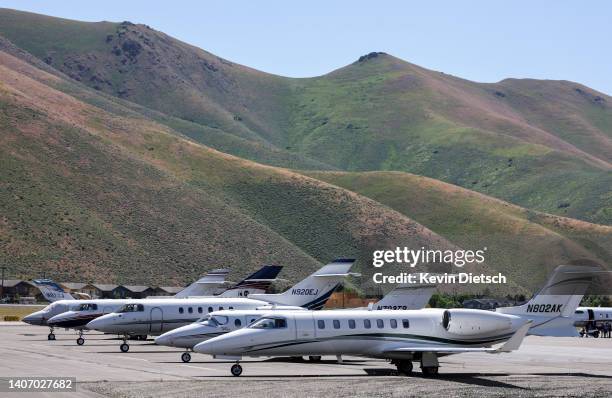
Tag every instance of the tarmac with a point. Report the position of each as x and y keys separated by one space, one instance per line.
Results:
x=544 y=366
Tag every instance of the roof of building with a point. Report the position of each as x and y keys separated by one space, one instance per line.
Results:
x=136 y=288
x=14 y=282
x=103 y=287
x=73 y=285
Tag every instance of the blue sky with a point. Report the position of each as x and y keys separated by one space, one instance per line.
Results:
x=478 y=40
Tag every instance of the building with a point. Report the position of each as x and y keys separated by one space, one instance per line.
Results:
x=14 y=289
x=132 y=291
x=487 y=303
x=99 y=290
x=72 y=287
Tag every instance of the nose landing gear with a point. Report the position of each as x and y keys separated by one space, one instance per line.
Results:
x=236 y=369
x=80 y=340
x=186 y=357
x=51 y=335
x=125 y=347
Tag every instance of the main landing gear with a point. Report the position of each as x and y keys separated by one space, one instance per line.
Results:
x=404 y=367
x=186 y=357
x=125 y=347
x=80 y=340
x=51 y=335
x=429 y=365
x=236 y=369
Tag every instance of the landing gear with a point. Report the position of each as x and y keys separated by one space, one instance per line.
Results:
x=429 y=364
x=430 y=371
x=314 y=358
x=80 y=340
x=404 y=367
x=186 y=357
x=236 y=370
x=51 y=335
x=125 y=347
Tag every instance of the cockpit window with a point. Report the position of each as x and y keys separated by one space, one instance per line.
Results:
x=579 y=312
x=87 y=307
x=269 y=323
x=219 y=319
x=132 y=308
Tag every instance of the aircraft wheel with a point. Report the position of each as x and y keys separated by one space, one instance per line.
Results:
x=186 y=357
x=236 y=370
x=404 y=367
x=124 y=347
x=430 y=371
x=80 y=341
x=51 y=336
x=314 y=358
x=596 y=334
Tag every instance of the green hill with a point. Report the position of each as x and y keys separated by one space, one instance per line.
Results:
x=515 y=238
x=544 y=145
x=90 y=194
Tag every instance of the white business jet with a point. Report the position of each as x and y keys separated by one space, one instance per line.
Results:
x=155 y=317
x=401 y=336
x=403 y=297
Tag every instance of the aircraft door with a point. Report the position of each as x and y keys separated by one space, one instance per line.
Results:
x=304 y=326
x=156 y=321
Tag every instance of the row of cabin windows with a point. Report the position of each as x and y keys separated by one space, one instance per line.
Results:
x=380 y=323
x=210 y=309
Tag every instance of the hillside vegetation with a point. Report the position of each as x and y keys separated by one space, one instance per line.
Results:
x=128 y=156
x=544 y=145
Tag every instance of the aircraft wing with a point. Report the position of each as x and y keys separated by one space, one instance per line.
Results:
x=513 y=343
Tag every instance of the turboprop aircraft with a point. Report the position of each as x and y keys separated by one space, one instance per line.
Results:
x=159 y=316
x=553 y=308
x=404 y=296
x=401 y=336
x=95 y=307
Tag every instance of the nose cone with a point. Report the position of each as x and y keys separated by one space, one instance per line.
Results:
x=231 y=344
x=36 y=318
x=102 y=324
x=183 y=337
x=165 y=339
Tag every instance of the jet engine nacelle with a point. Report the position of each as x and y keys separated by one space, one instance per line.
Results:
x=474 y=322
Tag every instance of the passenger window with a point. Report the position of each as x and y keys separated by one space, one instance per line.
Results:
x=405 y=323
x=210 y=309
x=380 y=323
x=237 y=323
x=220 y=308
x=393 y=323
x=351 y=323
x=190 y=310
x=231 y=308
x=336 y=324
x=140 y=308
x=321 y=324
x=367 y=324
x=199 y=310
x=181 y=310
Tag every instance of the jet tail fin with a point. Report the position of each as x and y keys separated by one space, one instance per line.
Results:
x=205 y=286
x=313 y=291
x=559 y=298
x=51 y=290
x=406 y=296
x=257 y=282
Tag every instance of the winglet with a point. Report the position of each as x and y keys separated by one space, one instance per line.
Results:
x=515 y=341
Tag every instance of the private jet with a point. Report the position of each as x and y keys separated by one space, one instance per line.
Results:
x=159 y=316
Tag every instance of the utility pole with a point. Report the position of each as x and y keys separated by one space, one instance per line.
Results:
x=2 y=286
